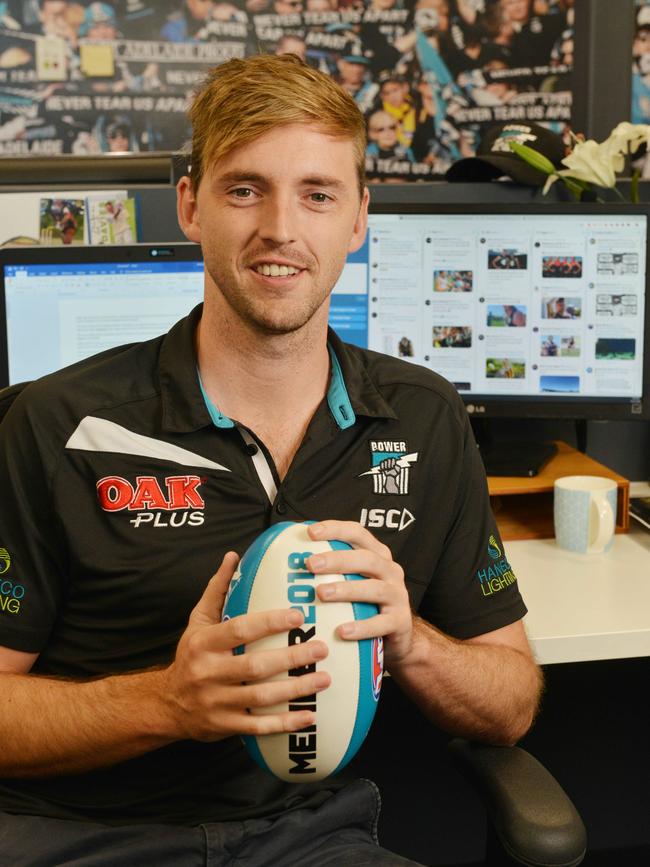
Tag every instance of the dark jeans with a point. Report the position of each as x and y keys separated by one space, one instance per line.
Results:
x=340 y=833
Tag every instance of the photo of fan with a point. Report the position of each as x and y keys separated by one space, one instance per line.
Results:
x=561 y=308
x=505 y=368
x=453 y=281
x=506 y=315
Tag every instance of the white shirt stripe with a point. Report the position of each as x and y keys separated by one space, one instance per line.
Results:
x=100 y=435
x=262 y=468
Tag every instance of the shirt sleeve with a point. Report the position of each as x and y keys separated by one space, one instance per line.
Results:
x=31 y=554
x=473 y=589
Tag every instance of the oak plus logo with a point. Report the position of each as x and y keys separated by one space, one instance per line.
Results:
x=174 y=502
x=391 y=466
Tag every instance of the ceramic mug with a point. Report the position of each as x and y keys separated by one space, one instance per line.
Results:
x=584 y=511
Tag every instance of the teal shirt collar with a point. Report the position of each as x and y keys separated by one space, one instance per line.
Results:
x=338 y=399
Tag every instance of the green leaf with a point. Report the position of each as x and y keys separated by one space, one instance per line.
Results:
x=532 y=157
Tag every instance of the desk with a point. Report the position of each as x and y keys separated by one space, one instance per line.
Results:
x=586 y=607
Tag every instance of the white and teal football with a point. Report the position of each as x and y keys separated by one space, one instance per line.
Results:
x=272 y=574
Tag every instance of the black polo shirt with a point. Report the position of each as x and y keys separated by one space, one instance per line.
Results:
x=123 y=488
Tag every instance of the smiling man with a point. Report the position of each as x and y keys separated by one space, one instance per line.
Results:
x=249 y=412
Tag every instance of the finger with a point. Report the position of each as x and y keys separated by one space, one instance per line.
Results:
x=247 y=628
x=371 y=590
x=351 y=532
x=358 y=562
x=262 y=665
x=267 y=695
x=267 y=724
x=208 y=609
x=374 y=627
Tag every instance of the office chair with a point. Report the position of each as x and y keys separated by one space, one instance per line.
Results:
x=433 y=815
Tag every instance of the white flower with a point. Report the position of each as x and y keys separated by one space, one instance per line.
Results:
x=628 y=137
x=594 y=163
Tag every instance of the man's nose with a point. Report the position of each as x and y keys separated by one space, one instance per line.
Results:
x=279 y=223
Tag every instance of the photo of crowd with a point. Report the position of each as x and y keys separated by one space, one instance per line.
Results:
x=453 y=281
x=429 y=75
x=455 y=336
x=507 y=259
x=561 y=267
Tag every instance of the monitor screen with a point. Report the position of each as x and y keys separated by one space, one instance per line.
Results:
x=526 y=310
x=59 y=305
x=529 y=310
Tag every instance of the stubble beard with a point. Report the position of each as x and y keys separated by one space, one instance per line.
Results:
x=264 y=317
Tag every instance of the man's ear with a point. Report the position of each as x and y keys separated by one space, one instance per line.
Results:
x=187 y=210
x=360 y=225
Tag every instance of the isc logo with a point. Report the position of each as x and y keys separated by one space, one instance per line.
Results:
x=392 y=519
x=181 y=492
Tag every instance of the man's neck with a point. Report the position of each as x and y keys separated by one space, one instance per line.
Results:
x=272 y=384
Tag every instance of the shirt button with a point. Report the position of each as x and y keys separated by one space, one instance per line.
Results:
x=252 y=449
x=280 y=507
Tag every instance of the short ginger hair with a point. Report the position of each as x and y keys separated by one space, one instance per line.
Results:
x=240 y=100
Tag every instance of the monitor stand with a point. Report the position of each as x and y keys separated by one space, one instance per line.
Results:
x=508 y=457
x=516 y=458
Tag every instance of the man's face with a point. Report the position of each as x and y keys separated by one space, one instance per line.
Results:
x=516 y=10
x=118 y=141
x=286 y=7
x=394 y=93
x=275 y=232
x=382 y=129
x=292 y=45
x=351 y=73
x=442 y=8
x=199 y=9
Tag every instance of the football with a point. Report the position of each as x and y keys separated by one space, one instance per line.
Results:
x=272 y=574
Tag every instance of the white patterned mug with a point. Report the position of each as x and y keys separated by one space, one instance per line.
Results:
x=584 y=511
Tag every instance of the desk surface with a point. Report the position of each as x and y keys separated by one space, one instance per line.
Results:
x=586 y=607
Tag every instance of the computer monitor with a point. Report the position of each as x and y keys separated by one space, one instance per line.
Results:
x=530 y=310
x=59 y=305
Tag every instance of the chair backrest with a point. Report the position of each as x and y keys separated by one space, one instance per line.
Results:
x=8 y=395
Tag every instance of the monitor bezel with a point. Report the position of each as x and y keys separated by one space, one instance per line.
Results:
x=524 y=406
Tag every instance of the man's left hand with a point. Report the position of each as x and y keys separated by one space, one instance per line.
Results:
x=384 y=586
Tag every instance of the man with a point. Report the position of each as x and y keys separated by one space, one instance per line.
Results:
x=383 y=132
x=126 y=477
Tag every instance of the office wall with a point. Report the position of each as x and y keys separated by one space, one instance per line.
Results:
x=429 y=75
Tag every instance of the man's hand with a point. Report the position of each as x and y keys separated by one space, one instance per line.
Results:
x=210 y=690
x=384 y=586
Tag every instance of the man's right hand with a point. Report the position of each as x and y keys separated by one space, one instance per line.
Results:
x=210 y=690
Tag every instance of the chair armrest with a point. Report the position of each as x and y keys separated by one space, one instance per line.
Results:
x=534 y=820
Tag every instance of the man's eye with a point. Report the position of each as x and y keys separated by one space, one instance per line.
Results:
x=319 y=198
x=242 y=193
